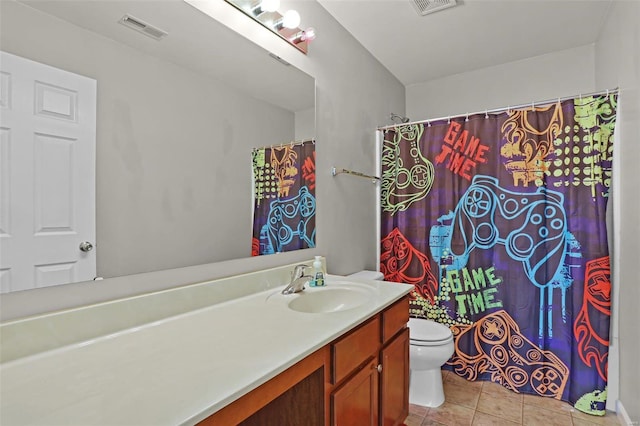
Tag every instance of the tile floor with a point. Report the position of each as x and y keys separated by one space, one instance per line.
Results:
x=485 y=403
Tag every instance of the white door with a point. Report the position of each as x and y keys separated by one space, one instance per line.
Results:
x=47 y=175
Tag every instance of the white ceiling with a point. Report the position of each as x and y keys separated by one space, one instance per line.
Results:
x=472 y=35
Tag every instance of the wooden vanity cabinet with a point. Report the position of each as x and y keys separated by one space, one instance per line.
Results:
x=394 y=358
x=361 y=378
x=394 y=380
x=356 y=401
x=370 y=371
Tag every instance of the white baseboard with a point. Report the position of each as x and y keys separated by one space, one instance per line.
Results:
x=623 y=417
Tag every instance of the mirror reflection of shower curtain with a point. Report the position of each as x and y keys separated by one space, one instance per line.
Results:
x=284 y=207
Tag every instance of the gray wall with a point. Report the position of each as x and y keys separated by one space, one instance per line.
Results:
x=563 y=73
x=618 y=64
x=173 y=174
x=355 y=93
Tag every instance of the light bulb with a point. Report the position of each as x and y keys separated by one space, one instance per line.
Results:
x=291 y=19
x=309 y=34
x=306 y=35
x=270 y=5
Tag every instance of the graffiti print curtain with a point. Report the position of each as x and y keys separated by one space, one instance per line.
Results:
x=284 y=208
x=499 y=222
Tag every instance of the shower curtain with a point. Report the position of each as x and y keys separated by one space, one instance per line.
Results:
x=499 y=222
x=284 y=208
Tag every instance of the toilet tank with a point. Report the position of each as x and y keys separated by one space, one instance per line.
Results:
x=368 y=275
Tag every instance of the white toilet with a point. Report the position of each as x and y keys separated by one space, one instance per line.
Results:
x=368 y=275
x=430 y=346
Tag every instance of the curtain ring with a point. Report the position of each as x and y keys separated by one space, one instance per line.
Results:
x=313 y=141
x=291 y=144
x=486 y=113
x=428 y=124
x=449 y=120
x=467 y=117
x=607 y=93
x=533 y=106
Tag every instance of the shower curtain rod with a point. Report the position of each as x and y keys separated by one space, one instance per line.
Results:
x=292 y=144
x=499 y=110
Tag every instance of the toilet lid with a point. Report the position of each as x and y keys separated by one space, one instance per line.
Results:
x=421 y=330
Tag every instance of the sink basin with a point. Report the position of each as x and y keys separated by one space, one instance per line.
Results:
x=330 y=299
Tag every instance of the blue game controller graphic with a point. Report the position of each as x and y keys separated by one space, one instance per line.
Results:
x=531 y=226
x=288 y=219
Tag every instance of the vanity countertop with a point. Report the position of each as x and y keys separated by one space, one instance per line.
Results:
x=177 y=370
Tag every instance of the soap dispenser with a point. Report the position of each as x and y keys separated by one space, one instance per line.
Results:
x=318 y=275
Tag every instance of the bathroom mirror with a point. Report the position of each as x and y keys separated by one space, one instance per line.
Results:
x=177 y=119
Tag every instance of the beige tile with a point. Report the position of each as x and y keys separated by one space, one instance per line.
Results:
x=609 y=419
x=547 y=403
x=537 y=416
x=579 y=422
x=482 y=419
x=414 y=420
x=499 y=391
x=458 y=380
x=429 y=422
x=418 y=410
x=505 y=408
x=445 y=373
x=450 y=414
x=462 y=394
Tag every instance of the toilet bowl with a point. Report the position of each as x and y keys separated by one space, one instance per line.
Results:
x=430 y=346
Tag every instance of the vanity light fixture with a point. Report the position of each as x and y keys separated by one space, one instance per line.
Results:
x=265 y=6
x=285 y=25
x=304 y=35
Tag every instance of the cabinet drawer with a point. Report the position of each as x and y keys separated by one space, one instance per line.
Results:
x=355 y=349
x=395 y=318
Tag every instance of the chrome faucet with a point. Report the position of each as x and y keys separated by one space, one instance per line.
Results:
x=298 y=280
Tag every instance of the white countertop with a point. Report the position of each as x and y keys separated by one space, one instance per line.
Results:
x=178 y=370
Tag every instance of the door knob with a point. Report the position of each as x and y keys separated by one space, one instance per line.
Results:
x=86 y=246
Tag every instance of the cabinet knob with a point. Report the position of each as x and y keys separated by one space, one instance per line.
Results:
x=377 y=367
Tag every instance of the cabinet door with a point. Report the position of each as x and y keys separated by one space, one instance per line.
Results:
x=394 y=380
x=355 y=403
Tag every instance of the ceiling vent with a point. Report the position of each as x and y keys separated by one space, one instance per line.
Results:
x=425 y=7
x=143 y=27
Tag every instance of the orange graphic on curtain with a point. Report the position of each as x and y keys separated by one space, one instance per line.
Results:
x=593 y=344
x=283 y=162
x=501 y=349
x=530 y=141
x=403 y=263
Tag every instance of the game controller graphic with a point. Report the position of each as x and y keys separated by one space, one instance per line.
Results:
x=531 y=227
x=501 y=350
x=288 y=219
